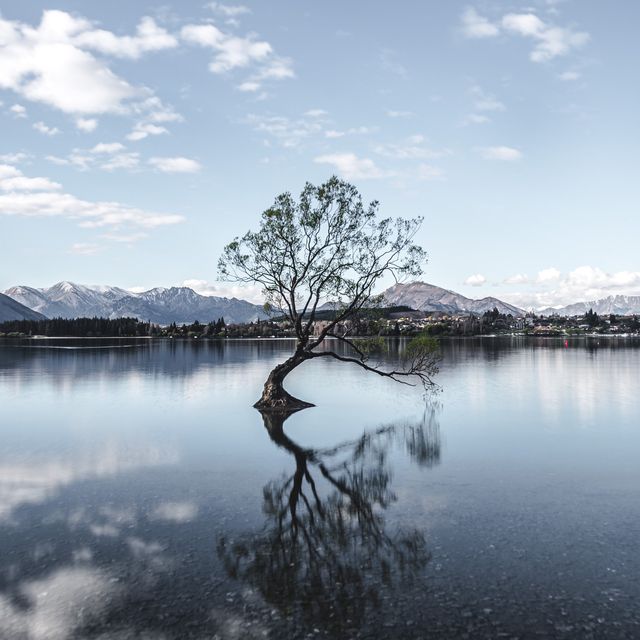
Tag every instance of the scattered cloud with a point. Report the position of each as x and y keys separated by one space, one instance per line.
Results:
x=476 y=26
x=506 y=154
x=333 y=133
x=353 y=167
x=108 y=156
x=548 y=275
x=252 y=293
x=389 y=62
x=519 y=278
x=232 y=52
x=40 y=197
x=143 y=130
x=17 y=109
x=475 y=280
x=45 y=129
x=288 y=132
x=483 y=101
x=476 y=118
x=175 y=165
x=86 y=124
x=412 y=148
x=570 y=76
x=399 y=114
x=550 y=41
x=583 y=284
x=229 y=10
x=316 y=113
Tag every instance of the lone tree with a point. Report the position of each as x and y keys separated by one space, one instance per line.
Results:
x=328 y=246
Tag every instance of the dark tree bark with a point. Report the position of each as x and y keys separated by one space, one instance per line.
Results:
x=274 y=396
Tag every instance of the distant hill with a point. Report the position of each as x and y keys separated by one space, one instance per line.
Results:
x=10 y=309
x=160 y=305
x=427 y=297
x=620 y=305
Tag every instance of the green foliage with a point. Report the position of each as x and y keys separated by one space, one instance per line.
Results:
x=326 y=245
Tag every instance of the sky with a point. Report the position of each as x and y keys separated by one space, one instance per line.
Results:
x=138 y=138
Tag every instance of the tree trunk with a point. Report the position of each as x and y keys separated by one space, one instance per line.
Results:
x=274 y=396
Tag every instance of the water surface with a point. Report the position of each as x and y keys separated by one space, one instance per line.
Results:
x=142 y=497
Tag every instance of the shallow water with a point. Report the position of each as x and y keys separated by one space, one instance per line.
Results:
x=142 y=497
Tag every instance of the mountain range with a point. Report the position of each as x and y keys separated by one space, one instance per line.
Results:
x=183 y=305
x=620 y=305
x=10 y=309
x=422 y=296
x=160 y=305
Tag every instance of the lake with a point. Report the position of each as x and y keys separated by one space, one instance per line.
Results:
x=141 y=495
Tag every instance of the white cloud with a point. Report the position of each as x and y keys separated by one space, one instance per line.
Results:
x=176 y=165
x=476 y=118
x=104 y=155
x=352 y=167
x=389 y=62
x=551 y=41
x=233 y=52
x=54 y=63
x=475 y=280
x=107 y=147
x=519 y=278
x=288 y=132
x=175 y=511
x=484 y=101
x=548 y=275
x=570 y=76
x=143 y=130
x=411 y=148
x=333 y=133
x=316 y=113
x=507 y=154
x=252 y=293
x=228 y=10
x=45 y=129
x=86 y=124
x=40 y=197
x=13 y=158
x=583 y=284
x=476 y=26
x=399 y=114
x=149 y=37
x=17 y=109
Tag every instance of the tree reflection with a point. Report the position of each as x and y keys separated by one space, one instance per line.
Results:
x=326 y=553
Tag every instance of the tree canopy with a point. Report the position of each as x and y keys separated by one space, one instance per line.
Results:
x=325 y=247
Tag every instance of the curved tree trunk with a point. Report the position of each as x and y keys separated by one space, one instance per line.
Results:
x=274 y=396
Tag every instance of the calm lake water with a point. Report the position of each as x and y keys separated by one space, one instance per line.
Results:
x=141 y=496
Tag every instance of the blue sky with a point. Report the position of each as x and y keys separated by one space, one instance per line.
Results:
x=139 y=138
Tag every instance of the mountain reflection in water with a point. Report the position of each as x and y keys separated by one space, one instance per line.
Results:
x=326 y=555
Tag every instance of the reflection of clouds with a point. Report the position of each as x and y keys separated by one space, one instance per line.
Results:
x=42 y=476
x=57 y=605
x=175 y=511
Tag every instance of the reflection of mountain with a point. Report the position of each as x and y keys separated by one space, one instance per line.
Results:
x=327 y=555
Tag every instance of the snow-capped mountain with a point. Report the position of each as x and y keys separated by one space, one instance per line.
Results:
x=620 y=305
x=10 y=309
x=160 y=305
x=427 y=297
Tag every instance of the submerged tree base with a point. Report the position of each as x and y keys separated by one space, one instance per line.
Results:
x=275 y=399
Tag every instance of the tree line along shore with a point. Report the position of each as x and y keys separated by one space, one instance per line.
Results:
x=390 y=321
